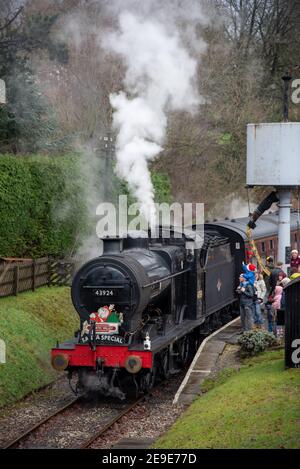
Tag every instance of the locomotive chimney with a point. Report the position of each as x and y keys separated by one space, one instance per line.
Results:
x=112 y=245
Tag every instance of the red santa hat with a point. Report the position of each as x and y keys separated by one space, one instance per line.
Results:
x=251 y=267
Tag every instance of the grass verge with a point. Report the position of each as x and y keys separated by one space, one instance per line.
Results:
x=256 y=407
x=30 y=324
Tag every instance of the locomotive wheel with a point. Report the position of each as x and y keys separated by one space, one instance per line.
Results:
x=148 y=380
x=184 y=350
x=164 y=361
x=129 y=387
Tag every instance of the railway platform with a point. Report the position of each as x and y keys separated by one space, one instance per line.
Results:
x=206 y=360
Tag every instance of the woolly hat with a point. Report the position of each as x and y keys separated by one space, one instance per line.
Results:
x=285 y=281
x=251 y=267
x=294 y=251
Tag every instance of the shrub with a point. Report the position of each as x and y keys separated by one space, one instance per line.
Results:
x=254 y=342
x=162 y=186
x=44 y=203
x=42 y=206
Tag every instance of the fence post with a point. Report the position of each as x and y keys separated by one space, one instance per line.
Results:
x=33 y=274
x=49 y=271
x=16 y=280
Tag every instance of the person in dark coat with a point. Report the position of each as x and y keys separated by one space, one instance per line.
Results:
x=246 y=293
x=274 y=277
x=271 y=267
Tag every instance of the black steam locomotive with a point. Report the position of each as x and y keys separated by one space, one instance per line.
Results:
x=144 y=306
x=146 y=303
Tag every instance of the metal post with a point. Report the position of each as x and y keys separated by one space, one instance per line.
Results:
x=286 y=80
x=33 y=273
x=284 y=224
x=108 y=155
x=16 y=280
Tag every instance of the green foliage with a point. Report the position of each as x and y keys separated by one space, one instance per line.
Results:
x=225 y=138
x=254 y=342
x=36 y=34
x=256 y=407
x=223 y=375
x=41 y=204
x=30 y=326
x=27 y=122
x=162 y=187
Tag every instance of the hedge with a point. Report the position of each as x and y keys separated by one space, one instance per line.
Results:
x=43 y=203
x=42 y=208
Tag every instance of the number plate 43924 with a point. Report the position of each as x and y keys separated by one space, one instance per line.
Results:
x=108 y=292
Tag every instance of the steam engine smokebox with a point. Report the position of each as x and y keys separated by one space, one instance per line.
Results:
x=123 y=280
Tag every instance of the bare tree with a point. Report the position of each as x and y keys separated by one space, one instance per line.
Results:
x=268 y=27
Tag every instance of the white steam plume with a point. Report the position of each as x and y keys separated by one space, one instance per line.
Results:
x=160 y=77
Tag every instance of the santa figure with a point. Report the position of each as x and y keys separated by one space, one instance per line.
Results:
x=103 y=313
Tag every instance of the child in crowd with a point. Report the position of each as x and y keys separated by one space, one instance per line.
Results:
x=249 y=273
x=280 y=328
x=275 y=306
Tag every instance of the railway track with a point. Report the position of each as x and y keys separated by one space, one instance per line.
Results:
x=13 y=443
x=107 y=413
x=33 y=431
x=108 y=425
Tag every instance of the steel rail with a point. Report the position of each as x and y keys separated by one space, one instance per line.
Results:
x=109 y=424
x=17 y=440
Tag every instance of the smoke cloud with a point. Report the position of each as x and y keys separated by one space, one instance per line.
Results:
x=160 y=78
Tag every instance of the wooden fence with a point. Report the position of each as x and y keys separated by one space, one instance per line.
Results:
x=60 y=272
x=19 y=277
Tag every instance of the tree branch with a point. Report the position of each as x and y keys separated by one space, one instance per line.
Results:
x=14 y=17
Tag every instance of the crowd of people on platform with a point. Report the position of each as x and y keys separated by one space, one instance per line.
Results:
x=262 y=296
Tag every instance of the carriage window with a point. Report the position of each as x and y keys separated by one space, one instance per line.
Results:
x=271 y=244
x=225 y=252
x=219 y=254
x=263 y=247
